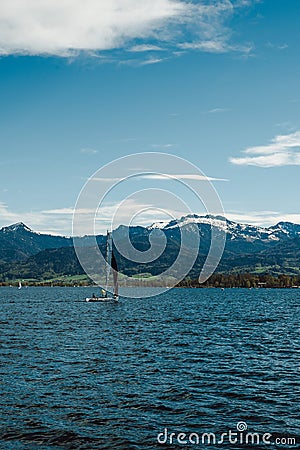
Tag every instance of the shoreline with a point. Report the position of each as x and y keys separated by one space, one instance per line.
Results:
x=46 y=285
x=217 y=280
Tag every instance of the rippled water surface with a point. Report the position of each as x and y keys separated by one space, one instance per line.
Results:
x=77 y=375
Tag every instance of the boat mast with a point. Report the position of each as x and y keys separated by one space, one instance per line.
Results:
x=108 y=258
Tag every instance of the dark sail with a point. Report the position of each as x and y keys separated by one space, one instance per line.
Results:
x=115 y=273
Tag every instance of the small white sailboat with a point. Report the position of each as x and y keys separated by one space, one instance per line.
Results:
x=111 y=263
x=20 y=285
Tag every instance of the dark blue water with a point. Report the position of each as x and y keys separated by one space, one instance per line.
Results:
x=77 y=375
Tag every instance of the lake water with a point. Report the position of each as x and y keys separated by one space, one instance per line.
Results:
x=77 y=375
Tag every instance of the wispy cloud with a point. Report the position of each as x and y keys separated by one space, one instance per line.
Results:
x=59 y=221
x=160 y=176
x=186 y=176
x=216 y=46
x=145 y=48
x=262 y=218
x=218 y=110
x=214 y=34
x=89 y=151
x=52 y=221
x=67 y=28
x=162 y=145
x=132 y=212
x=105 y=179
x=283 y=150
x=277 y=46
x=151 y=61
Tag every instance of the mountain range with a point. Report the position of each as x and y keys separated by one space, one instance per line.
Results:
x=276 y=249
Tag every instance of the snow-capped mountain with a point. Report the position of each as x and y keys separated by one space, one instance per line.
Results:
x=234 y=230
x=19 y=226
x=18 y=242
x=246 y=246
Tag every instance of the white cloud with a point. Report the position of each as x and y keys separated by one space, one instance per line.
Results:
x=283 y=46
x=151 y=61
x=206 y=46
x=59 y=27
x=59 y=221
x=162 y=145
x=278 y=144
x=275 y=160
x=283 y=150
x=215 y=46
x=145 y=48
x=262 y=218
x=53 y=221
x=213 y=34
x=193 y=177
x=132 y=211
x=90 y=151
x=218 y=110
x=68 y=27
x=104 y=179
x=160 y=176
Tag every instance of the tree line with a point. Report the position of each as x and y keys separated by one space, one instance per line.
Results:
x=217 y=280
x=245 y=280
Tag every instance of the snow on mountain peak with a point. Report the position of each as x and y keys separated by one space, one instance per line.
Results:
x=16 y=226
x=158 y=225
x=234 y=230
x=217 y=221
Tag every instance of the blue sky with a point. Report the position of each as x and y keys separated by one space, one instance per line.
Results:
x=214 y=82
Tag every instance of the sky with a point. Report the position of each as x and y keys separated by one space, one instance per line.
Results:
x=215 y=82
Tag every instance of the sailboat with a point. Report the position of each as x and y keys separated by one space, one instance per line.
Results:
x=20 y=285
x=111 y=263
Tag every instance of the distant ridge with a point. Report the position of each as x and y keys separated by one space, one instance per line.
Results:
x=249 y=248
x=18 y=242
x=234 y=228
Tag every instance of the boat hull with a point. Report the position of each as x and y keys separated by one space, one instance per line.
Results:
x=101 y=299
